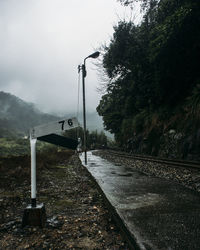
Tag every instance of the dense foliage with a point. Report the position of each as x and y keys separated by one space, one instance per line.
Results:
x=95 y=139
x=154 y=72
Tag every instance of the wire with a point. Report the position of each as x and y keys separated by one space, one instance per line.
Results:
x=77 y=113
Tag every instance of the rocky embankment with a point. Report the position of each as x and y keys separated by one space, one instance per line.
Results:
x=171 y=144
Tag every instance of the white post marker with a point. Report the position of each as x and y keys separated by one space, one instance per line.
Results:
x=41 y=131
x=34 y=214
x=33 y=171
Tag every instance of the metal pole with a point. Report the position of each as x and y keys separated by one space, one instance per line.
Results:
x=33 y=171
x=94 y=55
x=84 y=116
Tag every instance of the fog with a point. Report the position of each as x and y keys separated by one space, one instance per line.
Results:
x=42 y=43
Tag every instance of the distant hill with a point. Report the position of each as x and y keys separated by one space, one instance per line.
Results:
x=19 y=116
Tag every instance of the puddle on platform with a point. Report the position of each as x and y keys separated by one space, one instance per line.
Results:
x=93 y=164
x=126 y=174
x=136 y=201
x=105 y=174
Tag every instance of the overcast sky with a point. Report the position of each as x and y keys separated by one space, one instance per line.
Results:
x=42 y=43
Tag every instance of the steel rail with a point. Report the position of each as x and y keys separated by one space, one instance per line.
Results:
x=166 y=161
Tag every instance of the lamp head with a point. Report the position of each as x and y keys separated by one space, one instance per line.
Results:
x=94 y=55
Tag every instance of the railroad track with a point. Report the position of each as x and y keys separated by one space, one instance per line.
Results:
x=168 y=162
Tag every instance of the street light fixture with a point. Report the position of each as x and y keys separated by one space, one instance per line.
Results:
x=94 y=55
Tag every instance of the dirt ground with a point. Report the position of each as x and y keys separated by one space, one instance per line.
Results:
x=77 y=217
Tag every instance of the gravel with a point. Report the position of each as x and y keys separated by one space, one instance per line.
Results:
x=76 y=215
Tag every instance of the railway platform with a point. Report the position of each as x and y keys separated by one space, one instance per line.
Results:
x=153 y=213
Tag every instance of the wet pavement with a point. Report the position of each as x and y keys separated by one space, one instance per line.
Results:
x=157 y=213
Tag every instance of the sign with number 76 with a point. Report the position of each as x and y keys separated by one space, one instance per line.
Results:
x=53 y=127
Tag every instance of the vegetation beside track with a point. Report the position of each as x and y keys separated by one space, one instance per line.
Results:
x=151 y=100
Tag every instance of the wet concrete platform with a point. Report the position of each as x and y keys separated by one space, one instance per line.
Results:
x=155 y=213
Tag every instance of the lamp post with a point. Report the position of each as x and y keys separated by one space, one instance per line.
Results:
x=84 y=73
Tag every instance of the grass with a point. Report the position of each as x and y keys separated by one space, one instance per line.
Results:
x=63 y=203
x=14 y=146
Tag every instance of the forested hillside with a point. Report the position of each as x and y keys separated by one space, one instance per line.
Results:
x=152 y=100
x=19 y=116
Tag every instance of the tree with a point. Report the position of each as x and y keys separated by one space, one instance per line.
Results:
x=153 y=67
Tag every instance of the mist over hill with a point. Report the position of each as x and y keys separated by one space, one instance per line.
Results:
x=18 y=116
